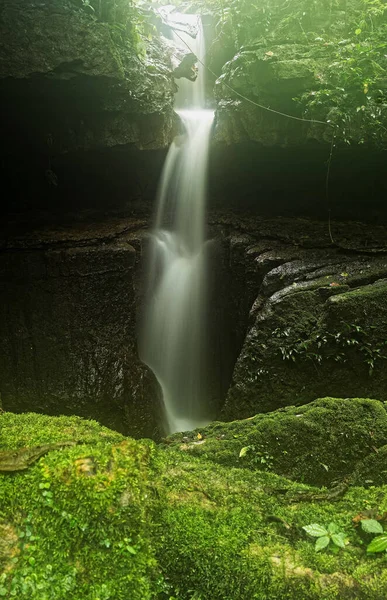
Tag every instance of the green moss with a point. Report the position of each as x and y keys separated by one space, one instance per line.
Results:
x=31 y=429
x=244 y=540
x=78 y=514
x=373 y=469
x=368 y=296
x=317 y=443
x=115 y=518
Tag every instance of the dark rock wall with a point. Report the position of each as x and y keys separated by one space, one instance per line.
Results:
x=316 y=320
x=67 y=85
x=250 y=178
x=291 y=316
x=88 y=185
x=68 y=330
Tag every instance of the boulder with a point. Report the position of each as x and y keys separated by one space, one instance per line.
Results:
x=320 y=443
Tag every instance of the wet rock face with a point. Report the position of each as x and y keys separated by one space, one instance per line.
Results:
x=291 y=317
x=317 y=322
x=66 y=84
x=67 y=330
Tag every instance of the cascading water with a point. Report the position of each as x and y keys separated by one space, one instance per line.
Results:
x=173 y=337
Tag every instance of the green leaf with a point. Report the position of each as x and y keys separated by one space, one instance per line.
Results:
x=131 y=550
x=371 y=526
x=244 y=451
x=315 y=530
x=321 y=543
x=378 y=544
x=339 y=539
x=333 y=528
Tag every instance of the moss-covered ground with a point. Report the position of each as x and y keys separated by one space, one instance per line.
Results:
x=114 y=518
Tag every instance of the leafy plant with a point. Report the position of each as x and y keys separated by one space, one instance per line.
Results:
x=379 y=543
x=324 y=345
x=259 y=456
x=130 y=21
x=371 y=526
x=326 y=537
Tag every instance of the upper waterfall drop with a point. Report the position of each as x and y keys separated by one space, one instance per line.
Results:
x=173 y=337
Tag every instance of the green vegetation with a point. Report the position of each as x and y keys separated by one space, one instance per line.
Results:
x=319 y=443
x=329 y=537
x=131 y=22
x=339 y=346
x=112 y=518
x=342 y=44
x=74 y=514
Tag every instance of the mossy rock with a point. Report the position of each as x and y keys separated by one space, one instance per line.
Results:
x=74 y=523
x=307 y=60
x=79 y=87
x=318 y=443
x=373 y=469
x=113 y=518
x=318 y=328
x=230 y=534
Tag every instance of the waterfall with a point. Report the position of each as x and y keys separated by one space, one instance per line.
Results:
x=173 y=336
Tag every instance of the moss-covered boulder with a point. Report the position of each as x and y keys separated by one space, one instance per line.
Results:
x=112 y=518
x=75 y=522
x=229 y=534
x=319 y=443
x=372 y=470
x=271 y=78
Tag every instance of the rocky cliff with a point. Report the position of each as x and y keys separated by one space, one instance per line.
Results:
x=72 y=81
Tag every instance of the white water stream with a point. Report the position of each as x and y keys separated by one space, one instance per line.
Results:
x=173 y=337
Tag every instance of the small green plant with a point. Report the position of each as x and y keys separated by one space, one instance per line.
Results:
x=259 y=456
x=330 y=537
x=379 y=543
x=319 y=345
